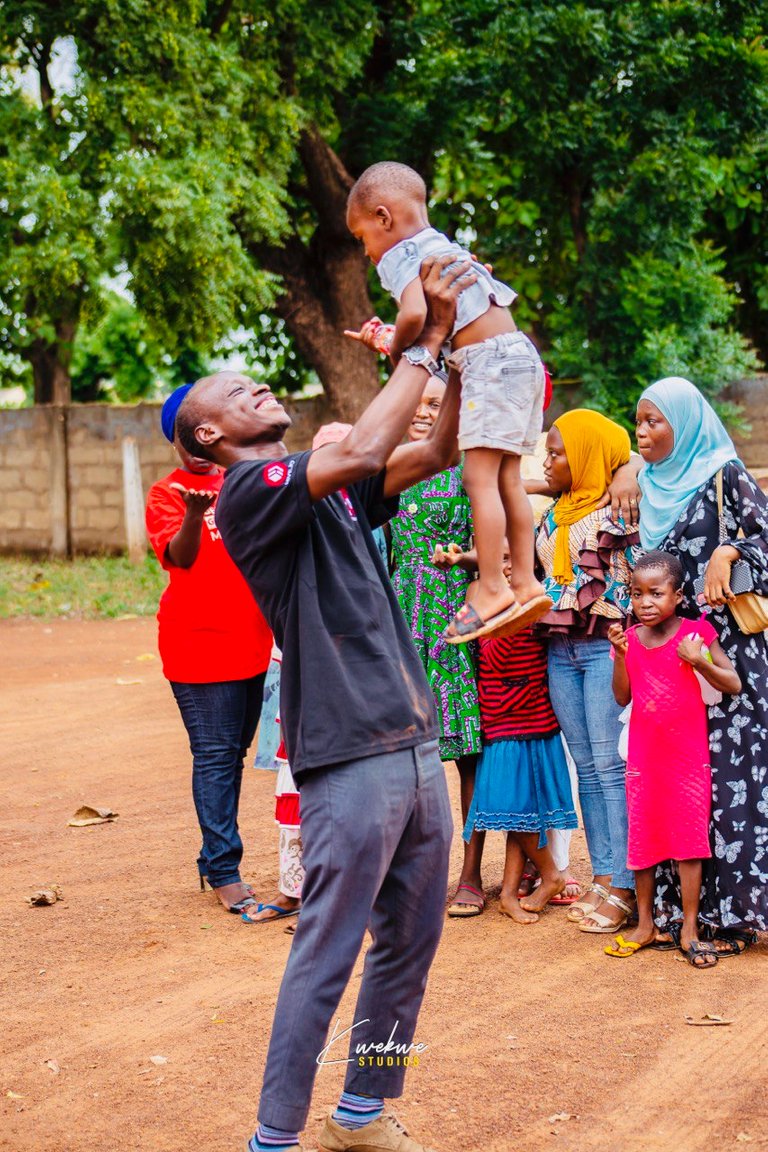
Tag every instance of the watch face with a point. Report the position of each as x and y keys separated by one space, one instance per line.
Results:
x=417 y=353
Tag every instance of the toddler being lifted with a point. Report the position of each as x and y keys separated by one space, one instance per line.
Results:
x=502 y=391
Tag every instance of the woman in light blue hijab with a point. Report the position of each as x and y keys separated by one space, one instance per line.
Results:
x=684 y=446
x=701 y=447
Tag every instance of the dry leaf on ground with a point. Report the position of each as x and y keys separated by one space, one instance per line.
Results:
x=47 y=895
x=87 y=815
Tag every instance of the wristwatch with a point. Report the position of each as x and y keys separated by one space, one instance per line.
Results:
x=421 y=357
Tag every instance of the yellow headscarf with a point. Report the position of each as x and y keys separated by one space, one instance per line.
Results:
x=595 y=447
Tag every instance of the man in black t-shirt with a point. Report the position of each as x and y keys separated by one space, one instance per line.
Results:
x=358 y=719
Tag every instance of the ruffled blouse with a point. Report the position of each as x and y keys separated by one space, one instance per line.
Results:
x=603 y=555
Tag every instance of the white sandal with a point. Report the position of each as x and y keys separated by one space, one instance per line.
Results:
x=603 y=924
x=582 y=908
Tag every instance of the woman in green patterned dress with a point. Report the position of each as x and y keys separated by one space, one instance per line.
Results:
x=434 y=513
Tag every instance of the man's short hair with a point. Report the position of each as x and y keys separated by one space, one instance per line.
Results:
x=383 y=181
x=662 y=562
x=188 y=417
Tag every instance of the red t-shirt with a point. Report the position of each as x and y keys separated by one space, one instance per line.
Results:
x=210 y=628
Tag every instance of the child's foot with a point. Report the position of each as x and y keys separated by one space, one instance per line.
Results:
x=474 y=616
x=277 y=909
x=539 y=899
x=468 y=901
x=524 y=593
x=570 y=894
x=511 y=906
x=527 y=884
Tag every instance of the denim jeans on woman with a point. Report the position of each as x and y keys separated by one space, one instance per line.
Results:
x=220 y=719
x=580 y=675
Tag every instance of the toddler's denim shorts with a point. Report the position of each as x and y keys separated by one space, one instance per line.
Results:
x=502 y=394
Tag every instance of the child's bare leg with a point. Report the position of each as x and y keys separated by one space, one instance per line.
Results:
x=690 y=890
x=491 y=593
x=520 y=535
x=552 y=879
x=473 y=851
x=645 y=888
x=514 y=863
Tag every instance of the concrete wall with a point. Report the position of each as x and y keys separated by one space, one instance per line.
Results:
x=40 y=445
x=87 y=440
x=752 y=396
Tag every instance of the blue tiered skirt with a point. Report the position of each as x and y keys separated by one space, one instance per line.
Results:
x=522 y=786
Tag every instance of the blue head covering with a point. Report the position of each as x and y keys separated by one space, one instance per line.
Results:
x=170 y=408
x=702 y=447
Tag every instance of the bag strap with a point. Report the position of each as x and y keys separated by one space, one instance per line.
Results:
x=722 y=534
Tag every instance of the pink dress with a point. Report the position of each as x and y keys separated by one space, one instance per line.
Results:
x=669 y=786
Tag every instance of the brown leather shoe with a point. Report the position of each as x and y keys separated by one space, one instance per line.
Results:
x=383 y=1135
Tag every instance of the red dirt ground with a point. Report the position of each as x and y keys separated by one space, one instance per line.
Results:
x=536 y=1040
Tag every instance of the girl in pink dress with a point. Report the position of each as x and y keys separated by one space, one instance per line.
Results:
x=657 y=665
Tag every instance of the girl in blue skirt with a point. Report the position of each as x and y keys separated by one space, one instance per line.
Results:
x=522 y=785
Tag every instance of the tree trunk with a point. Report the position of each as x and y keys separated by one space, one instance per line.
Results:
x=325 y=285
x=50 y=365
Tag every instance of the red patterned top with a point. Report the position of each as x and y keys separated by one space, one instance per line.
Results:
x=512 y=686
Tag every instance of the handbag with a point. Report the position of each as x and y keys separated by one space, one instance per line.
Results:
x=748 y=608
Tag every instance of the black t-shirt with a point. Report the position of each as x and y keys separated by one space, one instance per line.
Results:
x=352 y=684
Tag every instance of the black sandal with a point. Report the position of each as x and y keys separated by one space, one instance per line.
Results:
x=673 y=931
x=700 y=950
x=733 y=941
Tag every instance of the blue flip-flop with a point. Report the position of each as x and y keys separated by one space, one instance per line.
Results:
x=280 y=914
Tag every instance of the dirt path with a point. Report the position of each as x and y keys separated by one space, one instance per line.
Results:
x=523 y=1024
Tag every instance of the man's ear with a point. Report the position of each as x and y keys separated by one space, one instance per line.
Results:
x=207 y=434
x=384 y=217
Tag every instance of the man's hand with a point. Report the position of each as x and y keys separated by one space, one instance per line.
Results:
x=197 y=502
x=442 y=280
x=618 y=639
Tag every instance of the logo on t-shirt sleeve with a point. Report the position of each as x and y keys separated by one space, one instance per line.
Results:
x=275 y=475
x=348 y=503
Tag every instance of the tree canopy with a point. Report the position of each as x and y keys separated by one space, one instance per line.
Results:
x=608 y=157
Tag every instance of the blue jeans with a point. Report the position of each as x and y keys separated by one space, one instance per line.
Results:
x=220 y=720
x=580 y=675
x=269 y=729
x=376 y=835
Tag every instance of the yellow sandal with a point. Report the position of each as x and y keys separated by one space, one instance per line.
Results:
x=624 y=948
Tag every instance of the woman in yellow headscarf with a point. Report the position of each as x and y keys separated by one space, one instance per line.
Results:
x=587 y=562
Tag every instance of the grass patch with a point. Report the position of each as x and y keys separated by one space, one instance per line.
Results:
x=88 y=587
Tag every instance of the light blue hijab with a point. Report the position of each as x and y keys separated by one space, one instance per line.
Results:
x=702 y=447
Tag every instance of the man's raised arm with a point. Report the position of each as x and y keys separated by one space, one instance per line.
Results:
x=368 y=447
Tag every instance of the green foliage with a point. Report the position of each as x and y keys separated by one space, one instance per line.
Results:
x=120 y=358
x=143 y=158
x=609 y=158
x=608 y=152
x=270 y=355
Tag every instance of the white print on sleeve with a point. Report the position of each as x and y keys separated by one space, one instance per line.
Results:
x=210 y=523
